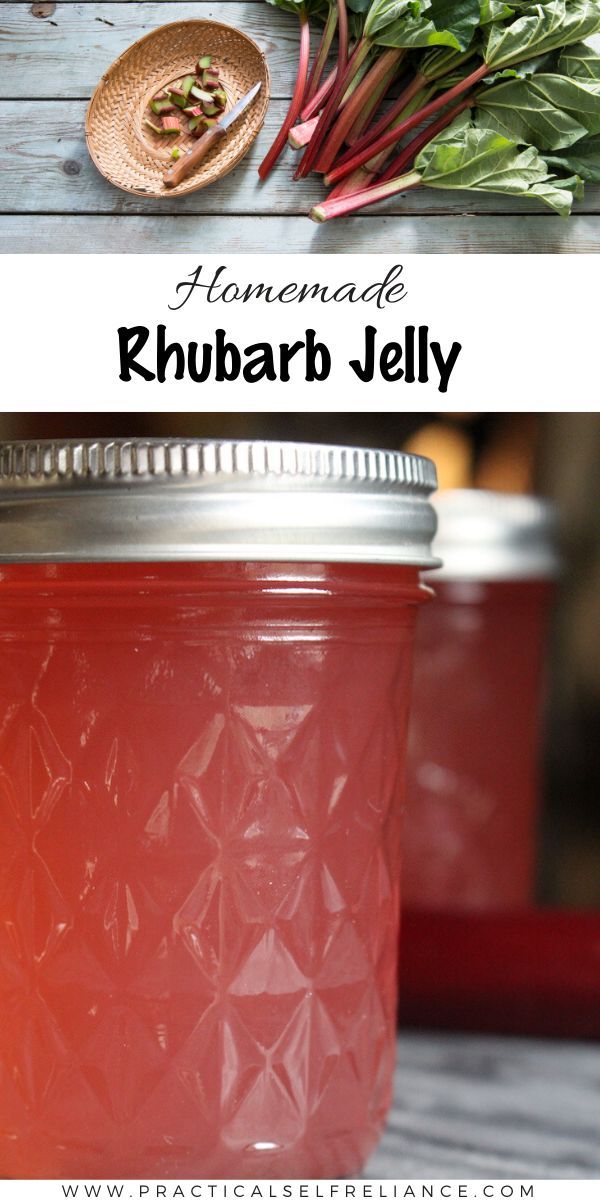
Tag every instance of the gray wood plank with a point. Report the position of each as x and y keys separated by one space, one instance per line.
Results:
x=489 y=1107
x=67 y=54
x=45 y=168
x=44 y=234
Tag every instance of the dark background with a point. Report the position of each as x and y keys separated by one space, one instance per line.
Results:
x=550 y=454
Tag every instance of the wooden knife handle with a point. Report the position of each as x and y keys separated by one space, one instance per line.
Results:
x=187 y=162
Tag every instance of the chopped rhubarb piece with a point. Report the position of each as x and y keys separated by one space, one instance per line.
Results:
x=202 y=96
x=219 y=98
x=187 y=84
x=160 y=96
x=178 y=96
x=204 y=63
x=176 y=152
x=198 y=124
x=211 y=110
x=161 y=106
x=194 y=111
x=171 y=125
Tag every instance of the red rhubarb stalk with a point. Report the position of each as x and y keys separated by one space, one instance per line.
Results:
x=280 y=141
x=342 y=59
x=407 y=155
x=341 y=206
x=404 y=99
x=322 y=54
x=370 y=107
x=343 y=79
x=378 y=162
x=357 y=182
x=300 y=135
x=362 y=177
x=315 y=105
x=338 y=133
x=399 y=131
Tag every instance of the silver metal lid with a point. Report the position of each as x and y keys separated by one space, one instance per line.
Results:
x=495 y=536
x=155 y=500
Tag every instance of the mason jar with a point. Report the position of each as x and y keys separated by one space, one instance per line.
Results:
x=474 y=745
x=205 y=663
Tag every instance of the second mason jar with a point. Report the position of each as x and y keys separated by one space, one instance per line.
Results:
x=474 y=749
x=205 y=660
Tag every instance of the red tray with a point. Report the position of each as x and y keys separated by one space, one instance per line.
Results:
x=535 y=972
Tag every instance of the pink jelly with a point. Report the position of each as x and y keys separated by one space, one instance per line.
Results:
x=200 y=769
x=473 y=773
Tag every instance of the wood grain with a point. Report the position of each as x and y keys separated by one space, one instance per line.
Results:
x=65 y=56
x=53 y=198
x=44 y=234
x=490 y=1107
x=46 y=168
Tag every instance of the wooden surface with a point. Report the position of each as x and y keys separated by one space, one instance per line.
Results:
x=492 y=1108
x=53 y=199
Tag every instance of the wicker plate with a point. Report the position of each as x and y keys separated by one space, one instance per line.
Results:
x=133 y=157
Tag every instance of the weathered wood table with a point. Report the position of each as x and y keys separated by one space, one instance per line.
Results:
x=492 y=1108
x=52 y=198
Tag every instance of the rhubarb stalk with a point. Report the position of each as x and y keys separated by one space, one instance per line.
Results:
x=362 y=177
x=303 y=61
x=300 y=135
x=391 y=136
x=371 y=105
x=322 y=54
x=408 y=154
x=353 y=109
x=365 y=174
x=343 y=79
x=314 y=106
x=357 y=182
x=411 y=90
x=341 y=206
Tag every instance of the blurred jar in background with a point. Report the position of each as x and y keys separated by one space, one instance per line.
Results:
x=472 y=782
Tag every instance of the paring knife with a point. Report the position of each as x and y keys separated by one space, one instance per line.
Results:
x=188 y=161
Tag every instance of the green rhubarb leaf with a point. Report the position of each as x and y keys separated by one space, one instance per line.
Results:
x=583 y=159
x=494 y=10
x=542 y=28
x=580 y=62
x=444 y=23
x=311 y=7
x=547 y=111
x=467 y=157
x=293 y=6
x=383 y=13
x=558 y=194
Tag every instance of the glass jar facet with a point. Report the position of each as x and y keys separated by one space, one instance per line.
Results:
x=200 y=776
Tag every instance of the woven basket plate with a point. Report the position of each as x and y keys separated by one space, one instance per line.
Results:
x=133 y=157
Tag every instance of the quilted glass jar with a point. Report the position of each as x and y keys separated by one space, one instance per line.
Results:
x=473 y=763
x=205 y=658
